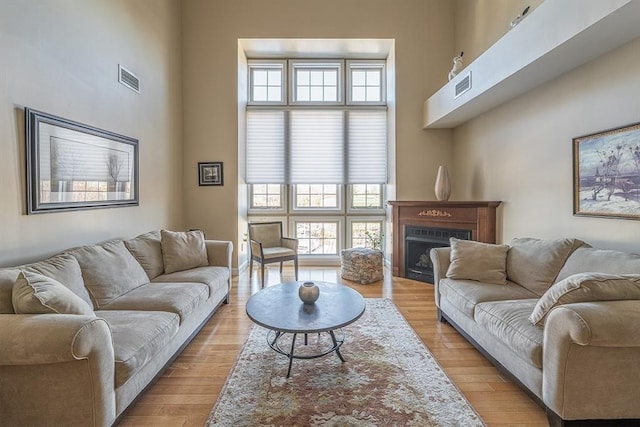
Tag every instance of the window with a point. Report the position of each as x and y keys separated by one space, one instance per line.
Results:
x=366 y=233
x=366 y=82
x=267 y=82
x=366 y=196
x=267 y=196
x=316 y=196
x=316 y=82
x=317 y=237
x=314 y=158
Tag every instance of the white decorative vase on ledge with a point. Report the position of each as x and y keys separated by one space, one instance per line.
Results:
x=443 y=187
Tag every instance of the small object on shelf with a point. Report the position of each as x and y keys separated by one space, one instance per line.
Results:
x=443 y=186
x=308 y=292
x=520 y=17
x=457 y=66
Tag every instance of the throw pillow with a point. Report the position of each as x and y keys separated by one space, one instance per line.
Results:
x=109 y=271
x=586 y=287
x=147 y=249
x=183 y=250
x=37 y=294
x=535 y=263
x=482 y=262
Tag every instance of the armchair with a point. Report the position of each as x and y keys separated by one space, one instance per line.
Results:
x=268 y=246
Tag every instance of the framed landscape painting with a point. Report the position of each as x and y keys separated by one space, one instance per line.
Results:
x=606 y=173
x=72 y=166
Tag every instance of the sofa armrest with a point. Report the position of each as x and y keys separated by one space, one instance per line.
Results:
x=219 y=253
x=440 y=258
x=290 y=243
x=592 y=346
x=56 y=369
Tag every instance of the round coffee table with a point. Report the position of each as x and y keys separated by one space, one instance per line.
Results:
x=279 y=309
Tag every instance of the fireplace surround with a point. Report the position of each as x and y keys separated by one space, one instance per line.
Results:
x=419 y=226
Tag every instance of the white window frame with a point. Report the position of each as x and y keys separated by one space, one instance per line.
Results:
x=351 y=219
x=265 y=64
x=263 y=211
x=295 y=64
x=366 y=64
x=314 y=210
x=293 y=220
x=351 y=209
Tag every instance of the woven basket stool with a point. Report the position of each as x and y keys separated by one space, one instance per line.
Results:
x=362 y=265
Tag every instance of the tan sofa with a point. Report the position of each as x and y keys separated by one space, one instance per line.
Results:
x=137 y=315
x=582 y=360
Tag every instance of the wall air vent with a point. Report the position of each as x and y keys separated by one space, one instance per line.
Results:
x=128 y=79
x=463 y=85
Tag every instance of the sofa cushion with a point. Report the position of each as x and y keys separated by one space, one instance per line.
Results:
x=483 y=262
x=34 y=293
x=65 y=269
x=535 y=263
x=178 y=298
x=8 y=278
x=183 y=250
x=508 y=322
x=586 y=287
x=587 y=259
x=213 y=277
x=147 y=249
x=109 y=271
x=466 y=294
x=137 y=337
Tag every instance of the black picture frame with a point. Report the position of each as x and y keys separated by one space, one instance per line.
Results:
x=72 y=166
x=210 y=173
x=606 y=173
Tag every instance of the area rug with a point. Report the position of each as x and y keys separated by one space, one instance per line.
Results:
x=389 y=379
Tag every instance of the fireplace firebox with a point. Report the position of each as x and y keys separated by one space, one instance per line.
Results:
x=418 y=243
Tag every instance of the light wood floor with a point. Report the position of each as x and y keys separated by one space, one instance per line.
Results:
x=188 y=389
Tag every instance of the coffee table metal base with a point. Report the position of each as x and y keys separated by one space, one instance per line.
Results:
x=273 y=339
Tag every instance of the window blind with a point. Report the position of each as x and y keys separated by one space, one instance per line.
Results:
x=367 y=147
x=307 y=146
x=317 y=147
x=266 y=147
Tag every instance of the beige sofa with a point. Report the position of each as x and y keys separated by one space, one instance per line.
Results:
x=569 y=336
x=137 y=303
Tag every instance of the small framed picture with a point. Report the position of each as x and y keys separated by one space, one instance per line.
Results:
x=210 y=173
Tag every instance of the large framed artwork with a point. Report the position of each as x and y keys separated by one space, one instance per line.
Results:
x=606 y=173
x=72 y=166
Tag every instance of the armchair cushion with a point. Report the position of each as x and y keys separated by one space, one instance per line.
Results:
x=277 y=252
x=586 y=287
x=37 y=294
x=183 y=250
x=482 y=262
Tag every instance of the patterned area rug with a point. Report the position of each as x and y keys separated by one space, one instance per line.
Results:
x=389 y=379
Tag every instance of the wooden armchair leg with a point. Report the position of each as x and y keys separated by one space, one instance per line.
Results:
x=295 y=266
x=281 y=267
x=262 y=274
x=250 y=268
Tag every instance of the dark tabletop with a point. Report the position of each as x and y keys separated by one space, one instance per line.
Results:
x=279 y=308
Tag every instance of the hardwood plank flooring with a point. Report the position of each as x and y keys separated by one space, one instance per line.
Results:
x=188 y=389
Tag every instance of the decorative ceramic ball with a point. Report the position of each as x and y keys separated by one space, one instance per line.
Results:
x=308 y=292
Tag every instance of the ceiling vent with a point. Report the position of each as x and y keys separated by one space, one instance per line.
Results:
x=463 y=85
x=128 y=79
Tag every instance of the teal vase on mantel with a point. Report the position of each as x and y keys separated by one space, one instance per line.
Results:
x=443 y=186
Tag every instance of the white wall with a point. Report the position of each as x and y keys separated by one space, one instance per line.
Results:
x=61 y=57
x=521 y=152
